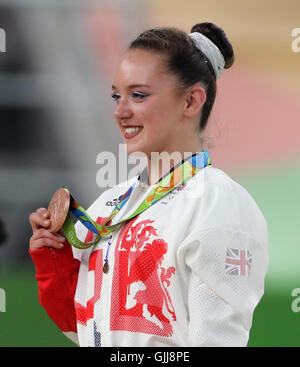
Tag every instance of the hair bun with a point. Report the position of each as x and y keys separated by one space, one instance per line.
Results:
x=219 y=38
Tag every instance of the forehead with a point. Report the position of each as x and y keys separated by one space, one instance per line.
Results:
x=141 y=67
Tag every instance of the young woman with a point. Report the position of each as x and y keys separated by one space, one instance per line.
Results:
x=189 y=269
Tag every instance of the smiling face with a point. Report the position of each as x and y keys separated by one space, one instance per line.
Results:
x=149 y=107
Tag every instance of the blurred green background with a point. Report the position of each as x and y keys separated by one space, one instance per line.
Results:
x=253 y=134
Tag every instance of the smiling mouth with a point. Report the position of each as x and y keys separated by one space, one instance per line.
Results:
x=130 y=132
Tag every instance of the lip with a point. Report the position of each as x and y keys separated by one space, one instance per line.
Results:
x=130 y=136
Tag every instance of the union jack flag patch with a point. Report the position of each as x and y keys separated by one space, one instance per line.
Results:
x=238 y=262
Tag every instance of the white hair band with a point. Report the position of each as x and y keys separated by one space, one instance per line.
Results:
x=210 y=50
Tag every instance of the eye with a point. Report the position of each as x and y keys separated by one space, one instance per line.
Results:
x=115 y=96
x=139 y=95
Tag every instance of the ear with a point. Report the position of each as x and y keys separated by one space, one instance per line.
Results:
x=195 y=99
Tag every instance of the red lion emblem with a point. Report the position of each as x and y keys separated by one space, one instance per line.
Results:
x=140 y=299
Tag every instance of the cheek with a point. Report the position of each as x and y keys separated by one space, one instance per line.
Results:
x=149 y=114
x=157 y=111
x=168 y=108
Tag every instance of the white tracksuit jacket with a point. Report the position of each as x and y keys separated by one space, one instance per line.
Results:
x=188 y=271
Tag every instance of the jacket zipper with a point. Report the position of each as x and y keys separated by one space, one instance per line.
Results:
x=106 y=266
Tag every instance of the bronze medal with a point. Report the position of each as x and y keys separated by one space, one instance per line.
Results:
x=58 y=208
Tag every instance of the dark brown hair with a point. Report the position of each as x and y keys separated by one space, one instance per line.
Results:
x=185 y=60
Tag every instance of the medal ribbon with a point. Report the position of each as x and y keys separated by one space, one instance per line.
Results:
x=166 y=184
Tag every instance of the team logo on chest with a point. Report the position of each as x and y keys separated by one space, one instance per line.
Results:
x=140 y=298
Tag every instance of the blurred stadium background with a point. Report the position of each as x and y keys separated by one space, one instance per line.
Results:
x=56 y=117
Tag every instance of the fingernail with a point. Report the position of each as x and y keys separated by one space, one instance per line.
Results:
x=61 y=245
x=45 y=214
x=47 y=222
x=62 y=239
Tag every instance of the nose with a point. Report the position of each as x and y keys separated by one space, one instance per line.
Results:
x=122 y=110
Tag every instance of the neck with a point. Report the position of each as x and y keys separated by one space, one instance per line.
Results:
x=159 y=164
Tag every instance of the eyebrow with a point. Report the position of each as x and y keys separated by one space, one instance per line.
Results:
x=132 y=86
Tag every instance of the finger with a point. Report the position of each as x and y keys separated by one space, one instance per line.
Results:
x=37 y=221
x=44 y=242
x=43 y=212
x=44 y=233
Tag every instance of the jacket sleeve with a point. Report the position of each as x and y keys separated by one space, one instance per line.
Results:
x=225 y=283
x=56 y=274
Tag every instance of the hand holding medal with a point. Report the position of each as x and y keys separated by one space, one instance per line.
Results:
x=61 y=205
x=50 y=224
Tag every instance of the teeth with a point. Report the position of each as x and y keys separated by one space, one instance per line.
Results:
x=130 y=130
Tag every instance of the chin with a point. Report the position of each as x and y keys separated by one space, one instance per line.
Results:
x=136 y=150
x=132 y=148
